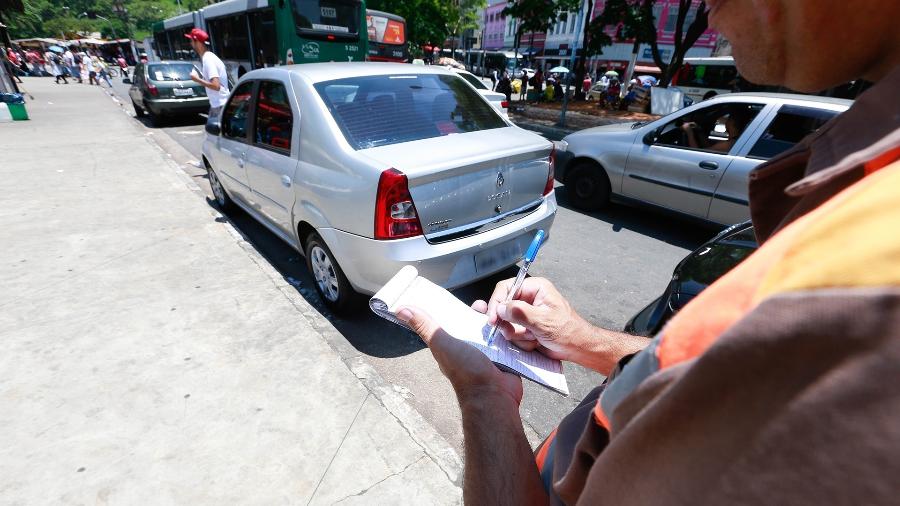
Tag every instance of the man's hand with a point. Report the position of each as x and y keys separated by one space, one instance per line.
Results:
x=469 y=371
x=540 y=318
x=195 y=76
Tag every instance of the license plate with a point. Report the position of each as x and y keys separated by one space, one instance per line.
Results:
x=502 y=255
x=183 y=92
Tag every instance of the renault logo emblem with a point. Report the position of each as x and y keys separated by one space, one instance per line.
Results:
x=500 y=180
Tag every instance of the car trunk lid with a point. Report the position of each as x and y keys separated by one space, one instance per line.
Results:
x=500 y=177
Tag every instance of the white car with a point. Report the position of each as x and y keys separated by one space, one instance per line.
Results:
x=497 y=100
x=365 y=168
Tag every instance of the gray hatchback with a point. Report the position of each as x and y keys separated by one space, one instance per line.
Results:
x=164 y=89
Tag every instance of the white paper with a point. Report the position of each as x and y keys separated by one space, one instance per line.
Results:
x=459 y=320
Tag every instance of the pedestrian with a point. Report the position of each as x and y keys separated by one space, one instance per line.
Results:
x=57 y=67
x=537 y=84
x=214 y=77
x=68 y=61
x=586 y=84
x=523 y=87
x=776 y=384
x=505 y=86
x=102 y=72
x=12 y=64
x=123 y=64
x=90 y=67
x=493 y=79
x=37 y=64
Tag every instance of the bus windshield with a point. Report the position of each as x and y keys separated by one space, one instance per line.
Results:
x=328 y=17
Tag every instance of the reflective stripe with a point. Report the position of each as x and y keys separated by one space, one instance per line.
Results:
x=544 y=449
x=546 y=462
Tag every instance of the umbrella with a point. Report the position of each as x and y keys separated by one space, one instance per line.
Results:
x=611 y=73
x=56 y=49
x=559 y=70
x=647 y=80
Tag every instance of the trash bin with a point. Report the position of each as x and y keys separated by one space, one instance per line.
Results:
x=18 y=112
x=533 y=95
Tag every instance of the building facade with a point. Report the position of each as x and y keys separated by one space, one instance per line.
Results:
x=547 y=50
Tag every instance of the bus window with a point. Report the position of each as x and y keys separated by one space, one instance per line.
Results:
x=262 y=26
x=329 y=18
x=230 y=38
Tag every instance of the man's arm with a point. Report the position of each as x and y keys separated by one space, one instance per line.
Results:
x=212 y=84
x=500 y=467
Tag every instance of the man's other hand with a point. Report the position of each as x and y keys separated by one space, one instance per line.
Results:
x=469 y=371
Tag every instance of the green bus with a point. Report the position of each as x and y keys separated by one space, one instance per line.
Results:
x=251 y=34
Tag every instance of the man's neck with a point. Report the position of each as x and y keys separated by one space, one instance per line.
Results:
x=201 y=52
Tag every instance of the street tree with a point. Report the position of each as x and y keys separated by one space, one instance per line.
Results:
x=427 y=21
x=462 y=16
x=537 y=15
x=634 y=20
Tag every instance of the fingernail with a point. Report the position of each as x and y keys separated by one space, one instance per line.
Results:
x=501 y=311
x=405 y=315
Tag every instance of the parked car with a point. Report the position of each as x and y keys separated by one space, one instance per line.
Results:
x=694 y=161
x=165 y=89
x=698 y=270
x=367 y=168
x=517 y=74
x=497 y=100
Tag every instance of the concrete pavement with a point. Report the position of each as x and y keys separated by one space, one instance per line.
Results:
x=153 y=356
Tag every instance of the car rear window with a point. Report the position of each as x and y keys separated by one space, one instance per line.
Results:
x=169 y=71
x=382 y=110
x=474 y=81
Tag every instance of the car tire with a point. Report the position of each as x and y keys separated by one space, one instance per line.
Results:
x=138 y=110
x=330 y=281
x=219 y=193
x=587 y=186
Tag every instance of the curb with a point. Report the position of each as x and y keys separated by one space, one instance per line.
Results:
x=419 y=429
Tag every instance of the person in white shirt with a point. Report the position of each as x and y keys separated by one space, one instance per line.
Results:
x=214 y=78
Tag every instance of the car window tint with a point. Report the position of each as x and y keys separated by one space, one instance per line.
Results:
x=274 y=119
x=234 y=118
x=790 y=125
x=715 y=128
x=381 y=110
x=712 y=261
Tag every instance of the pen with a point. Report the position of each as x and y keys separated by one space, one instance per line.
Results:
x=520 y=278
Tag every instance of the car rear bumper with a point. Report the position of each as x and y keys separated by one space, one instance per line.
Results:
x=179 y=105
x=369 y=264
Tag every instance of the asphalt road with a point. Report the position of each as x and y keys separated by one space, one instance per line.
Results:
x=609 y=264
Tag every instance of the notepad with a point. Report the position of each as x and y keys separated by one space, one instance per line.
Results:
x=462 y=322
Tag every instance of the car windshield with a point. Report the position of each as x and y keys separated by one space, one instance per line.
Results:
x=382 y=110
x=170 y=71
x=474 y=81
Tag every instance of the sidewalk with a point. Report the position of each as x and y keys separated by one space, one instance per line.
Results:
x=151 y=356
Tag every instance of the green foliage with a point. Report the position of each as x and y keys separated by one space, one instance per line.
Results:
x=71 y=18
x=431 y=21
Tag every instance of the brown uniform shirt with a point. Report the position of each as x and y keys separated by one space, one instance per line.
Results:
x=780 y=383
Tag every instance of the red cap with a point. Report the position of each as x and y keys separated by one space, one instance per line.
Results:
x=197 y=34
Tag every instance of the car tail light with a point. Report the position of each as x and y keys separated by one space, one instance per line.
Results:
x=395 y=213
x=551 y=173
x=504 y=104
x=153 y=90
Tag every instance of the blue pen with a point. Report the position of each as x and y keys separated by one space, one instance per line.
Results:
x=520 y=278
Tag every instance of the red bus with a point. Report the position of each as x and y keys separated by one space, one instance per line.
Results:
x=387 y=37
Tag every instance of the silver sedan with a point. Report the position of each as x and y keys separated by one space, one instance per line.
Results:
x=367 y=167
x=694 y=161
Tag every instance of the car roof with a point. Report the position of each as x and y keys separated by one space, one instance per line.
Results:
x=319 y=72
x=781 y=97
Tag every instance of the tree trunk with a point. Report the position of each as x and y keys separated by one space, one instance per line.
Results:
x=581 y=62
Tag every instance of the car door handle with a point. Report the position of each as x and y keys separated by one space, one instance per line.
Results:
x=241 y=160
x=709 y=165
x=286 y=180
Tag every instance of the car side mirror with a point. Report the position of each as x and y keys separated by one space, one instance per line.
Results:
x=213 y=128
x=651 y=137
